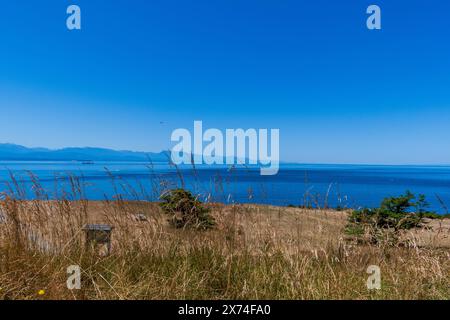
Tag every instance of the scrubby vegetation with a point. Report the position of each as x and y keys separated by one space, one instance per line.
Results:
x=394 y=215
x=185 y=210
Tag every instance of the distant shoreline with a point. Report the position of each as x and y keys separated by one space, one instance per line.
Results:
x=284 y=164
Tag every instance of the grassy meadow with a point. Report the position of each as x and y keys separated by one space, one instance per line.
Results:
x=253 y=252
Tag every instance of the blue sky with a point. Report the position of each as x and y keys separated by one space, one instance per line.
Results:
x=338 y=92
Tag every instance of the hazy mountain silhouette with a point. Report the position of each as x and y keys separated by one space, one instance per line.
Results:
x=20 y=153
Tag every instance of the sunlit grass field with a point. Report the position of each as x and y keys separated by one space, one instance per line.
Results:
x=253 y=252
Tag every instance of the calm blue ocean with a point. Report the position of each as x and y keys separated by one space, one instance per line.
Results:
x=333 y=185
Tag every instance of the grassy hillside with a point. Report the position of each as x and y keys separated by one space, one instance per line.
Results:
x=254 y=252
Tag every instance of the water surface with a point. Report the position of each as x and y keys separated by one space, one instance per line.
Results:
x=333 y=185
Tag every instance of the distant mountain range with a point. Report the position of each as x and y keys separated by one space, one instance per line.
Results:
x=13 y=152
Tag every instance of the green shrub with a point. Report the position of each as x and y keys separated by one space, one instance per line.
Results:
x=394 y=214
x=185 y=210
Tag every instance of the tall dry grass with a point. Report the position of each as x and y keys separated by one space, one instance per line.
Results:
x=255 y=252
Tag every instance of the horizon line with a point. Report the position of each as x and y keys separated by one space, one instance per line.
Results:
x=162 y=151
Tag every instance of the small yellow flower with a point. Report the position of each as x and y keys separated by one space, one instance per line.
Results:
x=41 y=292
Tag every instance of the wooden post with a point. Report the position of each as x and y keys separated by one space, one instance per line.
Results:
x=98 y=234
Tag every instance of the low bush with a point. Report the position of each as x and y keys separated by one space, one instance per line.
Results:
x=185 y=210
x=394 y=214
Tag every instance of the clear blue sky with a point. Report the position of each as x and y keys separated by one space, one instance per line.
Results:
x=338 y=92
